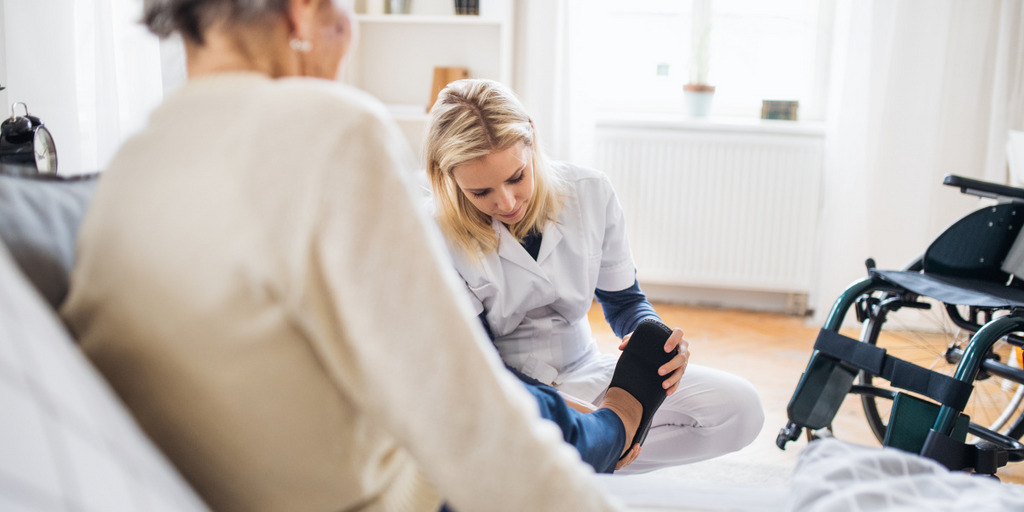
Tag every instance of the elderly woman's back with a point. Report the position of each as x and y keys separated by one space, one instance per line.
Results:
x=201 y=293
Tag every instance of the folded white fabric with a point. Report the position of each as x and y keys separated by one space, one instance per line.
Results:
x=834 y=476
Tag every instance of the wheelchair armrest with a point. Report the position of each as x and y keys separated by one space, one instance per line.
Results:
x=984 y=188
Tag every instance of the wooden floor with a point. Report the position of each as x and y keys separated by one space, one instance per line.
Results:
x=770 y=350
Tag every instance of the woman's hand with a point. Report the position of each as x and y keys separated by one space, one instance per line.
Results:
x=677 y=366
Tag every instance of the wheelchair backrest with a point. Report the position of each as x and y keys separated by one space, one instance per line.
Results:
x=976 y=246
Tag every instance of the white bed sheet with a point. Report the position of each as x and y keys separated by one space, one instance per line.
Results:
x=830 y=476
x=649 y=493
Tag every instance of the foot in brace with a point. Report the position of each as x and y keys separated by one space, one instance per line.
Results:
x=636 y=391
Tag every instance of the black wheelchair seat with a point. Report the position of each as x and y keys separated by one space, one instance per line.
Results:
x=956 y=290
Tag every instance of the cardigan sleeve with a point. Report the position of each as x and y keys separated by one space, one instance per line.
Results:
x=389 y=319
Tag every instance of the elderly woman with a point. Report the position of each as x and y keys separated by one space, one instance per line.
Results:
x=256 y=283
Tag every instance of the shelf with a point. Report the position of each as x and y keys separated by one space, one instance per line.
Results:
x=426 y=19
x=416 y=113
x=398 y=53
x=712 y=124
x=396 y=61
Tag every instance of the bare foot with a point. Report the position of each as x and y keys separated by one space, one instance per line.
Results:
x=629 y=457
x=627 y=408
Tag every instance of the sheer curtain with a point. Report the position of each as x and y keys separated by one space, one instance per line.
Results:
x=551 y=66
x=920 y=88
x=87 y=68
x=1008 y=88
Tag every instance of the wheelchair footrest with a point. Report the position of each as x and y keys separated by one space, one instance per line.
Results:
x=786 y=434
x=820 y=392
x=910 y=420
x=910 y=429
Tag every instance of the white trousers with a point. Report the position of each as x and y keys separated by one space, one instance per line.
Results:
x=712 y=413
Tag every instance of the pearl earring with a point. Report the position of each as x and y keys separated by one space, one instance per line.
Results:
x=300 y=45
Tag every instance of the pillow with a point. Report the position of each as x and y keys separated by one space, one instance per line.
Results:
x=66 y=442
x=39 y=219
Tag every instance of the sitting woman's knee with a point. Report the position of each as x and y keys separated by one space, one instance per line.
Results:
x=749 y=414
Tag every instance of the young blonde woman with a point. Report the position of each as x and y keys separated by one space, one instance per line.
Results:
x=535 y=241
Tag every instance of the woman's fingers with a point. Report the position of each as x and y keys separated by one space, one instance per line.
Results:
x=625 y=341
x=677 y=366
x=675 y=340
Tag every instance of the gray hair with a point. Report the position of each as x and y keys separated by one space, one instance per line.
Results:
x=192 y=17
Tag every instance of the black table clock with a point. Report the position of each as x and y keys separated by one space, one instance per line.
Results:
x=25 y=141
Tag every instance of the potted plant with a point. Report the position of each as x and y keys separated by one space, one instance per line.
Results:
x=697 y=93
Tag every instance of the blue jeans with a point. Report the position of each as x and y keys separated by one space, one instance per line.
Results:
x=598 y=436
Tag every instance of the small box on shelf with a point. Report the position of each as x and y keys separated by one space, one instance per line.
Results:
x=371 y=7
x=407 y=8
x=779 y=109
x=398 y=7
x=469 y=7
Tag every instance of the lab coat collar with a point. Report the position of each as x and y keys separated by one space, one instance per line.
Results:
x=511 y=250
x=552 y=236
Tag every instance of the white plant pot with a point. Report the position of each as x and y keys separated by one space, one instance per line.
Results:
x=697 y=103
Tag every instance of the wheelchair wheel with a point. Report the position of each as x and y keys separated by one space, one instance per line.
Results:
x=928 y=338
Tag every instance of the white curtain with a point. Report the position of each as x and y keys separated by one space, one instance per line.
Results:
x=551 y=62
x=87 y=68
x=1008 y=88
x=919 y=89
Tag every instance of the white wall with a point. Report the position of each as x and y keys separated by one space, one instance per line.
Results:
x=3 y=61
x=40 y=69
x=87 y=68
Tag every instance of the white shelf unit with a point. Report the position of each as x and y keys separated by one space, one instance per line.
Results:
x=395 y=57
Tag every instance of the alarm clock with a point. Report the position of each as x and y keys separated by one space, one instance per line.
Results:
x=24 y=140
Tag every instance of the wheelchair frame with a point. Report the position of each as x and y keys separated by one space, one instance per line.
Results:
x=935 y=430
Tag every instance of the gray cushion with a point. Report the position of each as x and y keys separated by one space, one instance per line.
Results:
x=66 y=442
x=39 y=220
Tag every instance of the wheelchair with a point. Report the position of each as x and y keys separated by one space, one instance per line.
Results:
x=953 y=392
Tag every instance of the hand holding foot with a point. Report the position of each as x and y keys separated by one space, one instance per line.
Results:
x=677 y=366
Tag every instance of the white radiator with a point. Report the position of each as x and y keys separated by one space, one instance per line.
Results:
x=717 y=209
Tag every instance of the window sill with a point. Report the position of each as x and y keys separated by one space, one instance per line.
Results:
x=712 y=124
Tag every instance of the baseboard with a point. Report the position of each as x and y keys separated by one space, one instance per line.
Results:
x=775 y=302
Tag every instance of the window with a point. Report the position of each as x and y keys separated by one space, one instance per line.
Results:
x=750 y=50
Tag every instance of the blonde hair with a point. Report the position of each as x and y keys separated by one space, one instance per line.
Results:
x=472 y=119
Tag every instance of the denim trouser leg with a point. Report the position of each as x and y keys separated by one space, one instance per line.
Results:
x=598 y=436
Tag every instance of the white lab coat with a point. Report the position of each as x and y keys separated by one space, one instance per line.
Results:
x=537 y=309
